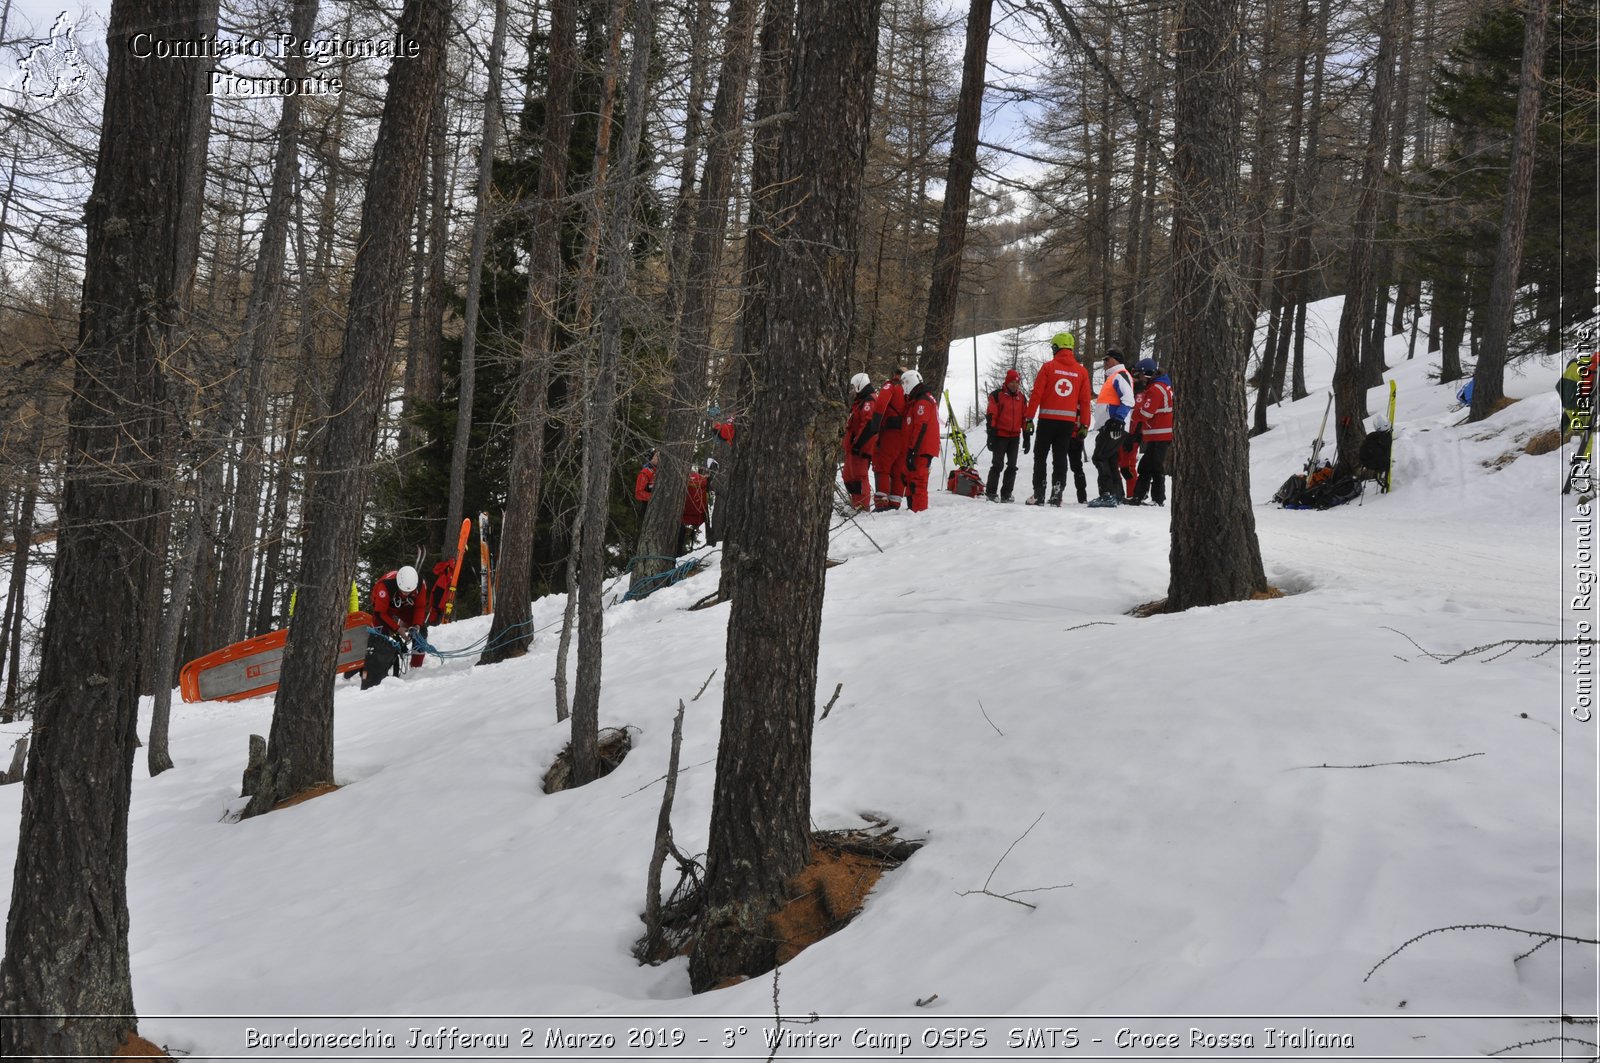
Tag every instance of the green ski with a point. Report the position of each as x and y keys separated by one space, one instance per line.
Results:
x=1388 y=476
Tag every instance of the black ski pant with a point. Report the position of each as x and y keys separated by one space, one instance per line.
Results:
x=382 y=660
x=1106 y=452
x=1153 y=472
x=1058 y=442
x=1004 y=453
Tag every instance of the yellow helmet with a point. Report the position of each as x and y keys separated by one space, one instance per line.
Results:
x=1063 y=340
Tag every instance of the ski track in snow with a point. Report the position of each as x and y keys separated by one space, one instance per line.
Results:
x=1209 y=862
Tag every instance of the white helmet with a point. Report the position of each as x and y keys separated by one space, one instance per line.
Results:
x=1379 y=424
x=406 y=579
x=859 y=381
x=910 y=379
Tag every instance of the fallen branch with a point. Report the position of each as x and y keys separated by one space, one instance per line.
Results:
x=1386 y=763
x=925 y=1001
x=1478 y=926
x=1543 y=1041
x=778 y=1020
x=1092 y=623
x=829 y=706
x=1012 y=896
x=1448 y=658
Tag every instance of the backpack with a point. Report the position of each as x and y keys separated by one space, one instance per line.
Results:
x=1375 y=451
x=966 y=482
x=1333 y=491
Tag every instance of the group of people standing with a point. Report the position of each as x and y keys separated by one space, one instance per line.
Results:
x=890 y=442
x=893 y=433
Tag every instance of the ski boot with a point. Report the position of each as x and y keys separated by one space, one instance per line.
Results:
x=1055 y=498
x=1106 y=501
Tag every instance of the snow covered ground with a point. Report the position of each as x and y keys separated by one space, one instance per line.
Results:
x=1220 y=837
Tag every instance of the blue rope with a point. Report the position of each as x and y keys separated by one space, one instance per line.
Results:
x=648 y=585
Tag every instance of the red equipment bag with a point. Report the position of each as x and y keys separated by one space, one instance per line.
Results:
x=966 y=482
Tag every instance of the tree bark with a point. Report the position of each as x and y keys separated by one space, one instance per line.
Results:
x=17 y=591
x=1488 y=386
x=777 y=38
x=599 y=414
x=761 y=808
x=67 y=932
x=658 y=536
x=510 y=633
x=1215 y=556
x=260 y=332
x=1349 y=382
x=467 y=384
x=300 y=744
x=945 y=288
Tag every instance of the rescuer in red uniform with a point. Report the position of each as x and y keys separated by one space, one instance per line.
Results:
x=889 y=457
x=1062 y=400
x=859 y=442
x=922 y=438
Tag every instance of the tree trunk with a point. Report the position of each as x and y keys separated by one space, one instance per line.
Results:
x=1215 y=556
x=761 y=808
x=945 y=287
x=67 y=932
x=1488 y=379
x=1373 y=356
x=1349 y=382
x=658 y=536
x=17 y=591
x=1275 y=355
x=777 y=35
x=260 y=332
x=468 y=382
x=599 y=413
x=300 y=744
x=511 y=632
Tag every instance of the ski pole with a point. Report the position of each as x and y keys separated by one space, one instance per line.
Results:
x=851 y=517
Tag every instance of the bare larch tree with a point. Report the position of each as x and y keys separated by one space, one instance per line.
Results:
x=761 y=808
x=65 y=984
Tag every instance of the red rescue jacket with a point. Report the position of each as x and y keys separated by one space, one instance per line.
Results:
x=859 y=435
x=1061 y=391
x=441 y=590
x=694 y=501
x=1007 y=411
x=890 y=408
x=644 y=483
x=394 y=609
x=922 y=425
x=1153 y=413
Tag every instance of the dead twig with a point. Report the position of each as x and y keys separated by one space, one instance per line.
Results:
x=829 y=706
x=1543 y=1041
x=1092 y=623
x=1478 y=926
x=1449 y=658
x=925 y=1001
x=985 y=712
x=1386 y=763
x=1012 y=896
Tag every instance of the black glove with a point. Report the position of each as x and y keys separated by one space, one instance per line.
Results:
x=1129 y=444
x=994 y=440
x=911 y=463
x=1081 y=431
x=1027 y=441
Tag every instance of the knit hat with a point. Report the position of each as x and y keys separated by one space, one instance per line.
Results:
x=1013 y=377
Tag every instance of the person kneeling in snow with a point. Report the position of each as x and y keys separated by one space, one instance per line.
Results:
x=922 y=438
x=694 y=510
x=400 y=604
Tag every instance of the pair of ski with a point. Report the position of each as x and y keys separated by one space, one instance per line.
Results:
x=485 y=583
x=1317 y=444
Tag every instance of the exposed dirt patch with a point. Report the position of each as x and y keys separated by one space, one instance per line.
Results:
x=135 y=1047
x=614 y=745
x=1543 y=442
x=827 y=893
x=306 y=795
x=1159 y=606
